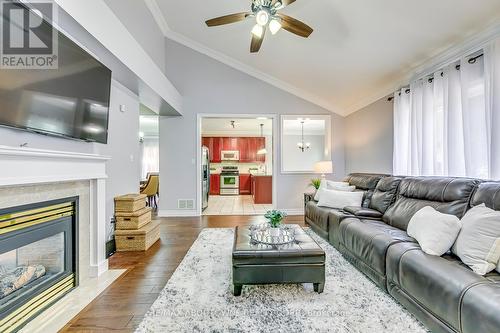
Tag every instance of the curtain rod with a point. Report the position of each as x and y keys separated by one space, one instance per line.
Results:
x=471 y=61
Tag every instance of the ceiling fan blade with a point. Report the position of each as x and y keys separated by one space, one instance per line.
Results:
x=257 y=42
x=227 y=19
x=295 y=26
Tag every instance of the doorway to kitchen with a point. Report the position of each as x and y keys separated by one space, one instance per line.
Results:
x=236 y=164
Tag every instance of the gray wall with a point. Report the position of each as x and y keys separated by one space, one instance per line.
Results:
x=139 y=21
x=369 y=138
x=208 y=86
x=123 y=169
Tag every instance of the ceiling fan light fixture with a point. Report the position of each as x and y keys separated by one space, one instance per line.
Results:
x=262 y=17
x=257 y=30
x=274 y=26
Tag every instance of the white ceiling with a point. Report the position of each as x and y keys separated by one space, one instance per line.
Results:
x=359 y=51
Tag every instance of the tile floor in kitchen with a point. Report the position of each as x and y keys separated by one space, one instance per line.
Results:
x=234 y=205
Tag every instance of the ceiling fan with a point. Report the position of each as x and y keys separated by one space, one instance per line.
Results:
x=266 y=15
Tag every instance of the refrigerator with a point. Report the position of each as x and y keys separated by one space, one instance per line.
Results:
x=205 y=176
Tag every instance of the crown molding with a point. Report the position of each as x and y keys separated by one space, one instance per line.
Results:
x=155 y=10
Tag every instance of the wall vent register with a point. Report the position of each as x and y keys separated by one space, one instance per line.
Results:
x=185 y=204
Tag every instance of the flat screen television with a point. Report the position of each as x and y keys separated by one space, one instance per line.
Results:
x=71 y=101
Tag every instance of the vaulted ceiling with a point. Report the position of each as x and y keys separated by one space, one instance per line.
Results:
x=359 y=51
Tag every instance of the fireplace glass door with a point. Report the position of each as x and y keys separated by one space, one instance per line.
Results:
x=31 y=264
x=38 y=251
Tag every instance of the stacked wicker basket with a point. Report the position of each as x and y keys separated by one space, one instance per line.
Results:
x=134 y=229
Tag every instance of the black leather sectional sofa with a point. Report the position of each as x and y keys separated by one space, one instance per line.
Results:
x=441 y=292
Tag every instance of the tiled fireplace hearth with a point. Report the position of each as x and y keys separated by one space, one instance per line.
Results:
x=52 y=233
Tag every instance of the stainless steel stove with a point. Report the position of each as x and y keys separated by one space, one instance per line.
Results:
x=230 y=181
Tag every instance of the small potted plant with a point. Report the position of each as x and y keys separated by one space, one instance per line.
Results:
x=275 y=218
x=316 y=183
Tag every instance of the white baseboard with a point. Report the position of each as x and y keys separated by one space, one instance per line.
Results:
x=99 y=269
x=177 y=213
x=292 y=212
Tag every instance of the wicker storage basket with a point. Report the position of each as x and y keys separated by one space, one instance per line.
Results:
x=137 y=240
x=134 y=220
x=130 y=202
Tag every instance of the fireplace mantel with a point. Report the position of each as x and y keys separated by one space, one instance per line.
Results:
x=28 y=166
x=20 y=166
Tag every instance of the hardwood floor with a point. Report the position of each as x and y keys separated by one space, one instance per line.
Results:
x=121 y=307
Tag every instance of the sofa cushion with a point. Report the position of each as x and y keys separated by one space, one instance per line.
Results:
x=435 y=232
x=335 y=218
x=480 y=309
x=446 y=195
x=384 y=194
x=317 y=215
x=363 y=212
x=478 y=244
x=339 y=199
x=436 y=283
x=369 y=240
x=366 y=182
x=487 y=193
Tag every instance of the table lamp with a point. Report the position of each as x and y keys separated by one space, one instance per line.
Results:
x=323 y=167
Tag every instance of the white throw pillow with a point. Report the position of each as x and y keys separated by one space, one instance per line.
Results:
x=339 y=199
x=478 y=244
x=331 y=185
x=435 y=232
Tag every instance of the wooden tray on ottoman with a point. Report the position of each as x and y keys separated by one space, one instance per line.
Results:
x=134 y=220
x=130 y=202
x=137 y=240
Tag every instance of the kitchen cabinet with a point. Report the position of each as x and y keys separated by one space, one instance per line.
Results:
x=261 y=143
x=244 y=150
x=247 y=146
x=262 y=189
x=214 y=184
x=214 y=145
x=245 y=184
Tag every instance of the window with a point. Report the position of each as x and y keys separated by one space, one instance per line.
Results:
x=445 y=123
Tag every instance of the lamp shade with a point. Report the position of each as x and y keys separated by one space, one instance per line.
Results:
x=323 y=167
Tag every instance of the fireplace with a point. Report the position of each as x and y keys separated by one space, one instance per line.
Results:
x=38 y=258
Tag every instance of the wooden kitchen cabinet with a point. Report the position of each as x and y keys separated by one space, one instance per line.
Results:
x=215 y=184
x=245 y=184
x=214 y=145
x=262 y=189
x=247 y=146
x=261 y=143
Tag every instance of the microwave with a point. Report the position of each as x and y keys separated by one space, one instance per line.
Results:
x=230 y=155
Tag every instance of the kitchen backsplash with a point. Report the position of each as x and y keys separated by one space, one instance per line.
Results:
x=244 y=168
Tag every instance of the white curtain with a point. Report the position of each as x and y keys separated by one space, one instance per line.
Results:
x=448 y=123
x=150 y=156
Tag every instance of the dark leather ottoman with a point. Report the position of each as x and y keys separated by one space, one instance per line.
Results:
x=299 y=262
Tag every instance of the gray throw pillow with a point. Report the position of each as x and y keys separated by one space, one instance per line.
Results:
x=478 y=243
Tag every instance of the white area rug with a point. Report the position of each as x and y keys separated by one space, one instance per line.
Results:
x=198 y=298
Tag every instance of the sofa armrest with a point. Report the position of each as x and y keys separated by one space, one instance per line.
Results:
x=363 y=212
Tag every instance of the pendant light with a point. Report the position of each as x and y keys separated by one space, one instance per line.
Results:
x=263 y=150
x=302 y=145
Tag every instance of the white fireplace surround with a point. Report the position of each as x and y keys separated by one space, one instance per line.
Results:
x=27 y=166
